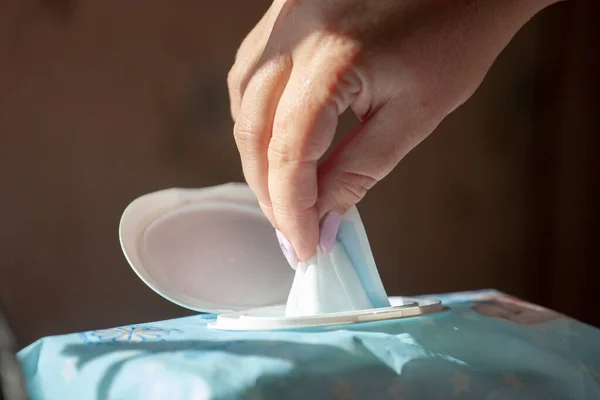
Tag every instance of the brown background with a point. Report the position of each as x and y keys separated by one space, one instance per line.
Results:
x=103 y=101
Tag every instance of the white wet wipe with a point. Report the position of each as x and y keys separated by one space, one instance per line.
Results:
x=345 y=279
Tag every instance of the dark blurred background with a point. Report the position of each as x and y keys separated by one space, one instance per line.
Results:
x=103 y=101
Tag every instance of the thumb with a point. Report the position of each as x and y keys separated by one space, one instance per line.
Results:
x=366 y=156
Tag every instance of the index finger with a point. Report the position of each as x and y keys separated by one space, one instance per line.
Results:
x=304 y=126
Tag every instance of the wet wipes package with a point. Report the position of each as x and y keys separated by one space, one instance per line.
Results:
x=484 y=346
x=345 y=279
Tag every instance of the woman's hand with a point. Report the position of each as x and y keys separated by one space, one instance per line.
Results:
x=400 y=65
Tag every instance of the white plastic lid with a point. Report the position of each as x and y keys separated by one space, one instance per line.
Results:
x=209 y=250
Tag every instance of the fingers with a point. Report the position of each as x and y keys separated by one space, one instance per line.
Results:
x=246 y=59
x=367 y=155
x=252 y=130
x=321 y=86
x=248 y=56
x=286 y=117
x=255 y=84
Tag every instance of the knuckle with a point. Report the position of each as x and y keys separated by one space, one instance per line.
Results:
x=233 y=79
x=278 y=153
x=246 y=138
x=352 y=187
x=292 y=204
x=346 y=48
x=336 y=57
x=283 y=152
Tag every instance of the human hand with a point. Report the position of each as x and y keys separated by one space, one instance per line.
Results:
x=400 y=65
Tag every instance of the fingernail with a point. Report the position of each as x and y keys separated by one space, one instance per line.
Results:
x=329 y=230
x=287 y=249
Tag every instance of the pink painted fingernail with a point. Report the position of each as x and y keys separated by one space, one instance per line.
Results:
x=329 y=230
x=287 y=249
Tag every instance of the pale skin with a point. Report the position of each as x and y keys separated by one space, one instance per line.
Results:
x=400 y=65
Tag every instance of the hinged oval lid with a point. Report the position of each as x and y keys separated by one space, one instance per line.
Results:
x=209 y=250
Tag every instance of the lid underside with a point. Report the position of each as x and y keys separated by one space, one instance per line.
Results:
x=205 y=254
